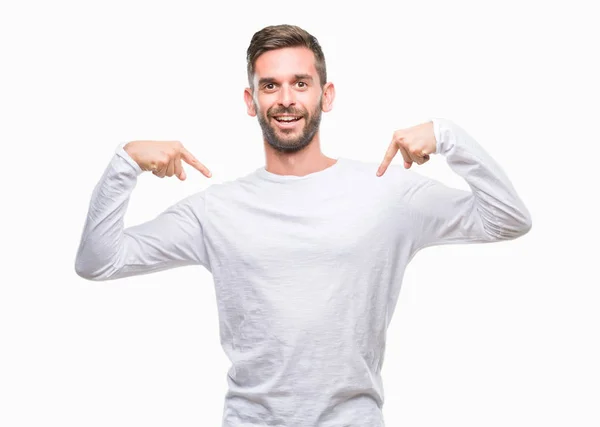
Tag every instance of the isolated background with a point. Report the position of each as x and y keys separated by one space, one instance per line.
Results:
x=483 y=335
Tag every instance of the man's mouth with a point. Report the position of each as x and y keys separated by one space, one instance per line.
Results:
x=287 y=121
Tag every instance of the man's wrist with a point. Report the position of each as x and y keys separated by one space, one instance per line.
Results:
x=124 y=151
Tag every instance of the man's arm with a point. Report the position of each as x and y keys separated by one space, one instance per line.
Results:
x=109 y=251
x=491 y=211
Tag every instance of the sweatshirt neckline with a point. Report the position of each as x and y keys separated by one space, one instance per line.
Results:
x=264 y=173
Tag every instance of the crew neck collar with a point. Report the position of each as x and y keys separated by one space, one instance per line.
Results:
x=265 y=174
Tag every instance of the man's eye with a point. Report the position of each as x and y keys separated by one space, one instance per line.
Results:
x=270 y=86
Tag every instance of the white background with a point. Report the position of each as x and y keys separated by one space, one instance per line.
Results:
x=504 y=334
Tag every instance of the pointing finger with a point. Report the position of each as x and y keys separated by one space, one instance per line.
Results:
x=387 y=159
x=191 y=160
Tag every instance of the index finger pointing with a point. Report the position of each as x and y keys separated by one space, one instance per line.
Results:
x=387 y=159
x=191 y=160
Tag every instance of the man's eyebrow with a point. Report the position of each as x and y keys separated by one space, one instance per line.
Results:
x=273 y=80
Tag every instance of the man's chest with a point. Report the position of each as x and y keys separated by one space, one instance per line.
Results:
x=334 y=234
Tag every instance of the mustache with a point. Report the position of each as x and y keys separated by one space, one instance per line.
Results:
x=286 y=111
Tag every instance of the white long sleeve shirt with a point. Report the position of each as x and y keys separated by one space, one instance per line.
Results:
x=307 y=269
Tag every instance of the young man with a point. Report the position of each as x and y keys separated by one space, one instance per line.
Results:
x=307 y=253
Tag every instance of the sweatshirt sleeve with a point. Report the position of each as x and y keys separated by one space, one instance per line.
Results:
x=109 y=251
x=490 y=211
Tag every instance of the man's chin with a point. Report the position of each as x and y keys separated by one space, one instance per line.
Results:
x=286 y=145
x=286 y=134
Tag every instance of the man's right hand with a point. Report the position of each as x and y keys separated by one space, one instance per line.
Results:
x=163 y=158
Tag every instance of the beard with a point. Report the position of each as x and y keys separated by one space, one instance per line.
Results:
x=283 y=140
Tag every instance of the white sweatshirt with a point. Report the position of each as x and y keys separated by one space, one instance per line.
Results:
x=307 y=269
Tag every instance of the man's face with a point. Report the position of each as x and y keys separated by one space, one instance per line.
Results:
x=286 y=83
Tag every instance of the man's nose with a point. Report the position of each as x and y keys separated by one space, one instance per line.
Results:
x=286 y=96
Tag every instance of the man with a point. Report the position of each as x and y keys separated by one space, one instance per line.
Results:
x=308 y=252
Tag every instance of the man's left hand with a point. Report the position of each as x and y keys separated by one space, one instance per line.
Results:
x=415 y=143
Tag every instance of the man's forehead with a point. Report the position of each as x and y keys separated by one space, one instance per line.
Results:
x=285 y=63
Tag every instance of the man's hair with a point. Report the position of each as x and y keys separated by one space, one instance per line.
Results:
x=281 y=36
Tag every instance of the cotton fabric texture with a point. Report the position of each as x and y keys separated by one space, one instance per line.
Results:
x=307 y=269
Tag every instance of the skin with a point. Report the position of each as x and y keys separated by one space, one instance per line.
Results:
x=164 y=158
x=295 y=151
x=415 y=144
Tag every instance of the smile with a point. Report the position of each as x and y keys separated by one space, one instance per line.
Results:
x=287 y=121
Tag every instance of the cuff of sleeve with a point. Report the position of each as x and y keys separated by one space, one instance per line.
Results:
x=443 y=143
x=120 y=151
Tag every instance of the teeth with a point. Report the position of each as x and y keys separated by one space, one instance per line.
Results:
x=286 y=119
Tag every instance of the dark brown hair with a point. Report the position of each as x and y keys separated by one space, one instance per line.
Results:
x=278 y=37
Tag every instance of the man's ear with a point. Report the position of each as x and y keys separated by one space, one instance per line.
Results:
x=328 y=97
x=249 y=102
